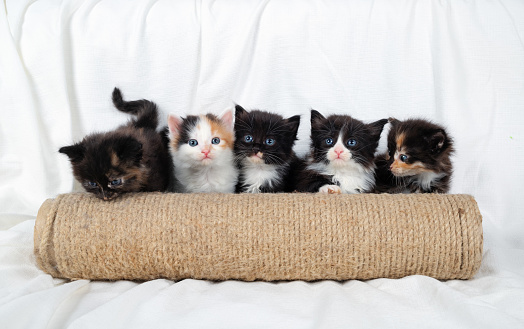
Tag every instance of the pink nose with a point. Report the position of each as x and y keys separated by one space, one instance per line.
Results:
x=206 y=152
x=339 y=152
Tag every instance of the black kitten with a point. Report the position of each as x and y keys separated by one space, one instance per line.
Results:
x=131 y=158
x=341 y=159
x=264 y=151
x=418 y=159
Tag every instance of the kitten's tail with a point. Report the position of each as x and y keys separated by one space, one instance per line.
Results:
x=146 y=111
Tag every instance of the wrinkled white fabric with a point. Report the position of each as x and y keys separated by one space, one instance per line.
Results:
x=460 y=63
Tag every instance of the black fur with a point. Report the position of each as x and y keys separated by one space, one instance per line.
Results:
x=134 y=153
x=424 y=142
x=261 y=126
x=146 y=111
x=322 y=128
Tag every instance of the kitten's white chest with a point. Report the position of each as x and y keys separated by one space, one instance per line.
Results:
x=425 y=179
x=352 y=178
x=221 y=176
x=257 y=175
x=215 y=179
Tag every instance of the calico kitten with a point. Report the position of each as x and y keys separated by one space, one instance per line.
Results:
x=418 y=158
x=342 y=154
x=131 y=158
x=264 y=151
x=202 y=151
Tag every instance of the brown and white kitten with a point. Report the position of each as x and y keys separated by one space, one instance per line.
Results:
x=131 y=158
x=342 y=155
x=418 y=158
x=202 y=151
x=264 y=151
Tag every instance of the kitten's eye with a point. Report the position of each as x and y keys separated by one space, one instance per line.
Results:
x=352 y=142
x=269 y=141
x=192 y=142
x=116 y=182
x=215 y=141
x=248 y=138
x=92 y=184
x=403 y=157
x=329 y=141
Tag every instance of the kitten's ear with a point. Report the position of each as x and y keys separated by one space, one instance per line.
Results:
x=316 y=116
x=174 y=123
x=436 y=141
x=377 y=127
x=75 y=152
x=227 y=118
x=239 y=111
x=394 y=122
x=293 y=123
x=128 y=149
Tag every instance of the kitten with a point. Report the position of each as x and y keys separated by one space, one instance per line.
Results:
x=264 y=151
x=202 y=151
x=342 y=154
x=131 y=158
x=418 y=158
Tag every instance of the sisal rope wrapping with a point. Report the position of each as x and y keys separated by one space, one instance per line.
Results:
x=259 y=236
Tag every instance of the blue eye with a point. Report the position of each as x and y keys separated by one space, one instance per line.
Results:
x=329 y=141
x=92 y=184
x=116 y=182
x=352 y=142
x=248 y=138
x=270 y=141
x=403 y=157
x=215 y=141
x=192 y=142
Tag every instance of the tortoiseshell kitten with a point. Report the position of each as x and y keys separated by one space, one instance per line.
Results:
x=418 y=159
x=264 y=151
x=202 y=151
x=131 y=158
x=342 y=155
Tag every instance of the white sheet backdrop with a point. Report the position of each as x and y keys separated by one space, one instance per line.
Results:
x=460 y=63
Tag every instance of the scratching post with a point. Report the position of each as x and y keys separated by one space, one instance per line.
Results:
x=250 y=237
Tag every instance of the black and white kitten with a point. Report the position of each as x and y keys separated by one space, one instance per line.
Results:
x=131 y=158
x=264 y=151
x=418 y=158
x=341 y=159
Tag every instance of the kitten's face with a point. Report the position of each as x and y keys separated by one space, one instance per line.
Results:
x=263 y=137
x=415 y=147
x=107 y=166
x=201 y=140
x=340 y=140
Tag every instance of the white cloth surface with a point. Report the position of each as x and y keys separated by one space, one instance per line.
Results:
x=460 y=63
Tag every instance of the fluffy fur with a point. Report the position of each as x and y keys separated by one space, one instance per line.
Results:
x=202 y=152
x=264 y=151
x=131 y=158
x=418 y=158
x=341 y=159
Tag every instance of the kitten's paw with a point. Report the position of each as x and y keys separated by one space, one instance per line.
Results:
x=330 y=189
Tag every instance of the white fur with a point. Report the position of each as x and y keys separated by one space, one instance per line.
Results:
x=425 y=179
x=259 y=173
x=351 y=176
x=218 y=174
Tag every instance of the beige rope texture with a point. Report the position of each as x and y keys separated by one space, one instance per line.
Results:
x=259 y=236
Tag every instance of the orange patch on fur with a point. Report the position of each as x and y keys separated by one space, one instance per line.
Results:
x=218 y=129
x=115 y=161
x=412 y=168
x=174 y=142
x=400 y=140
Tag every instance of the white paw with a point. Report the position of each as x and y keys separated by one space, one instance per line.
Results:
x=330 y=189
